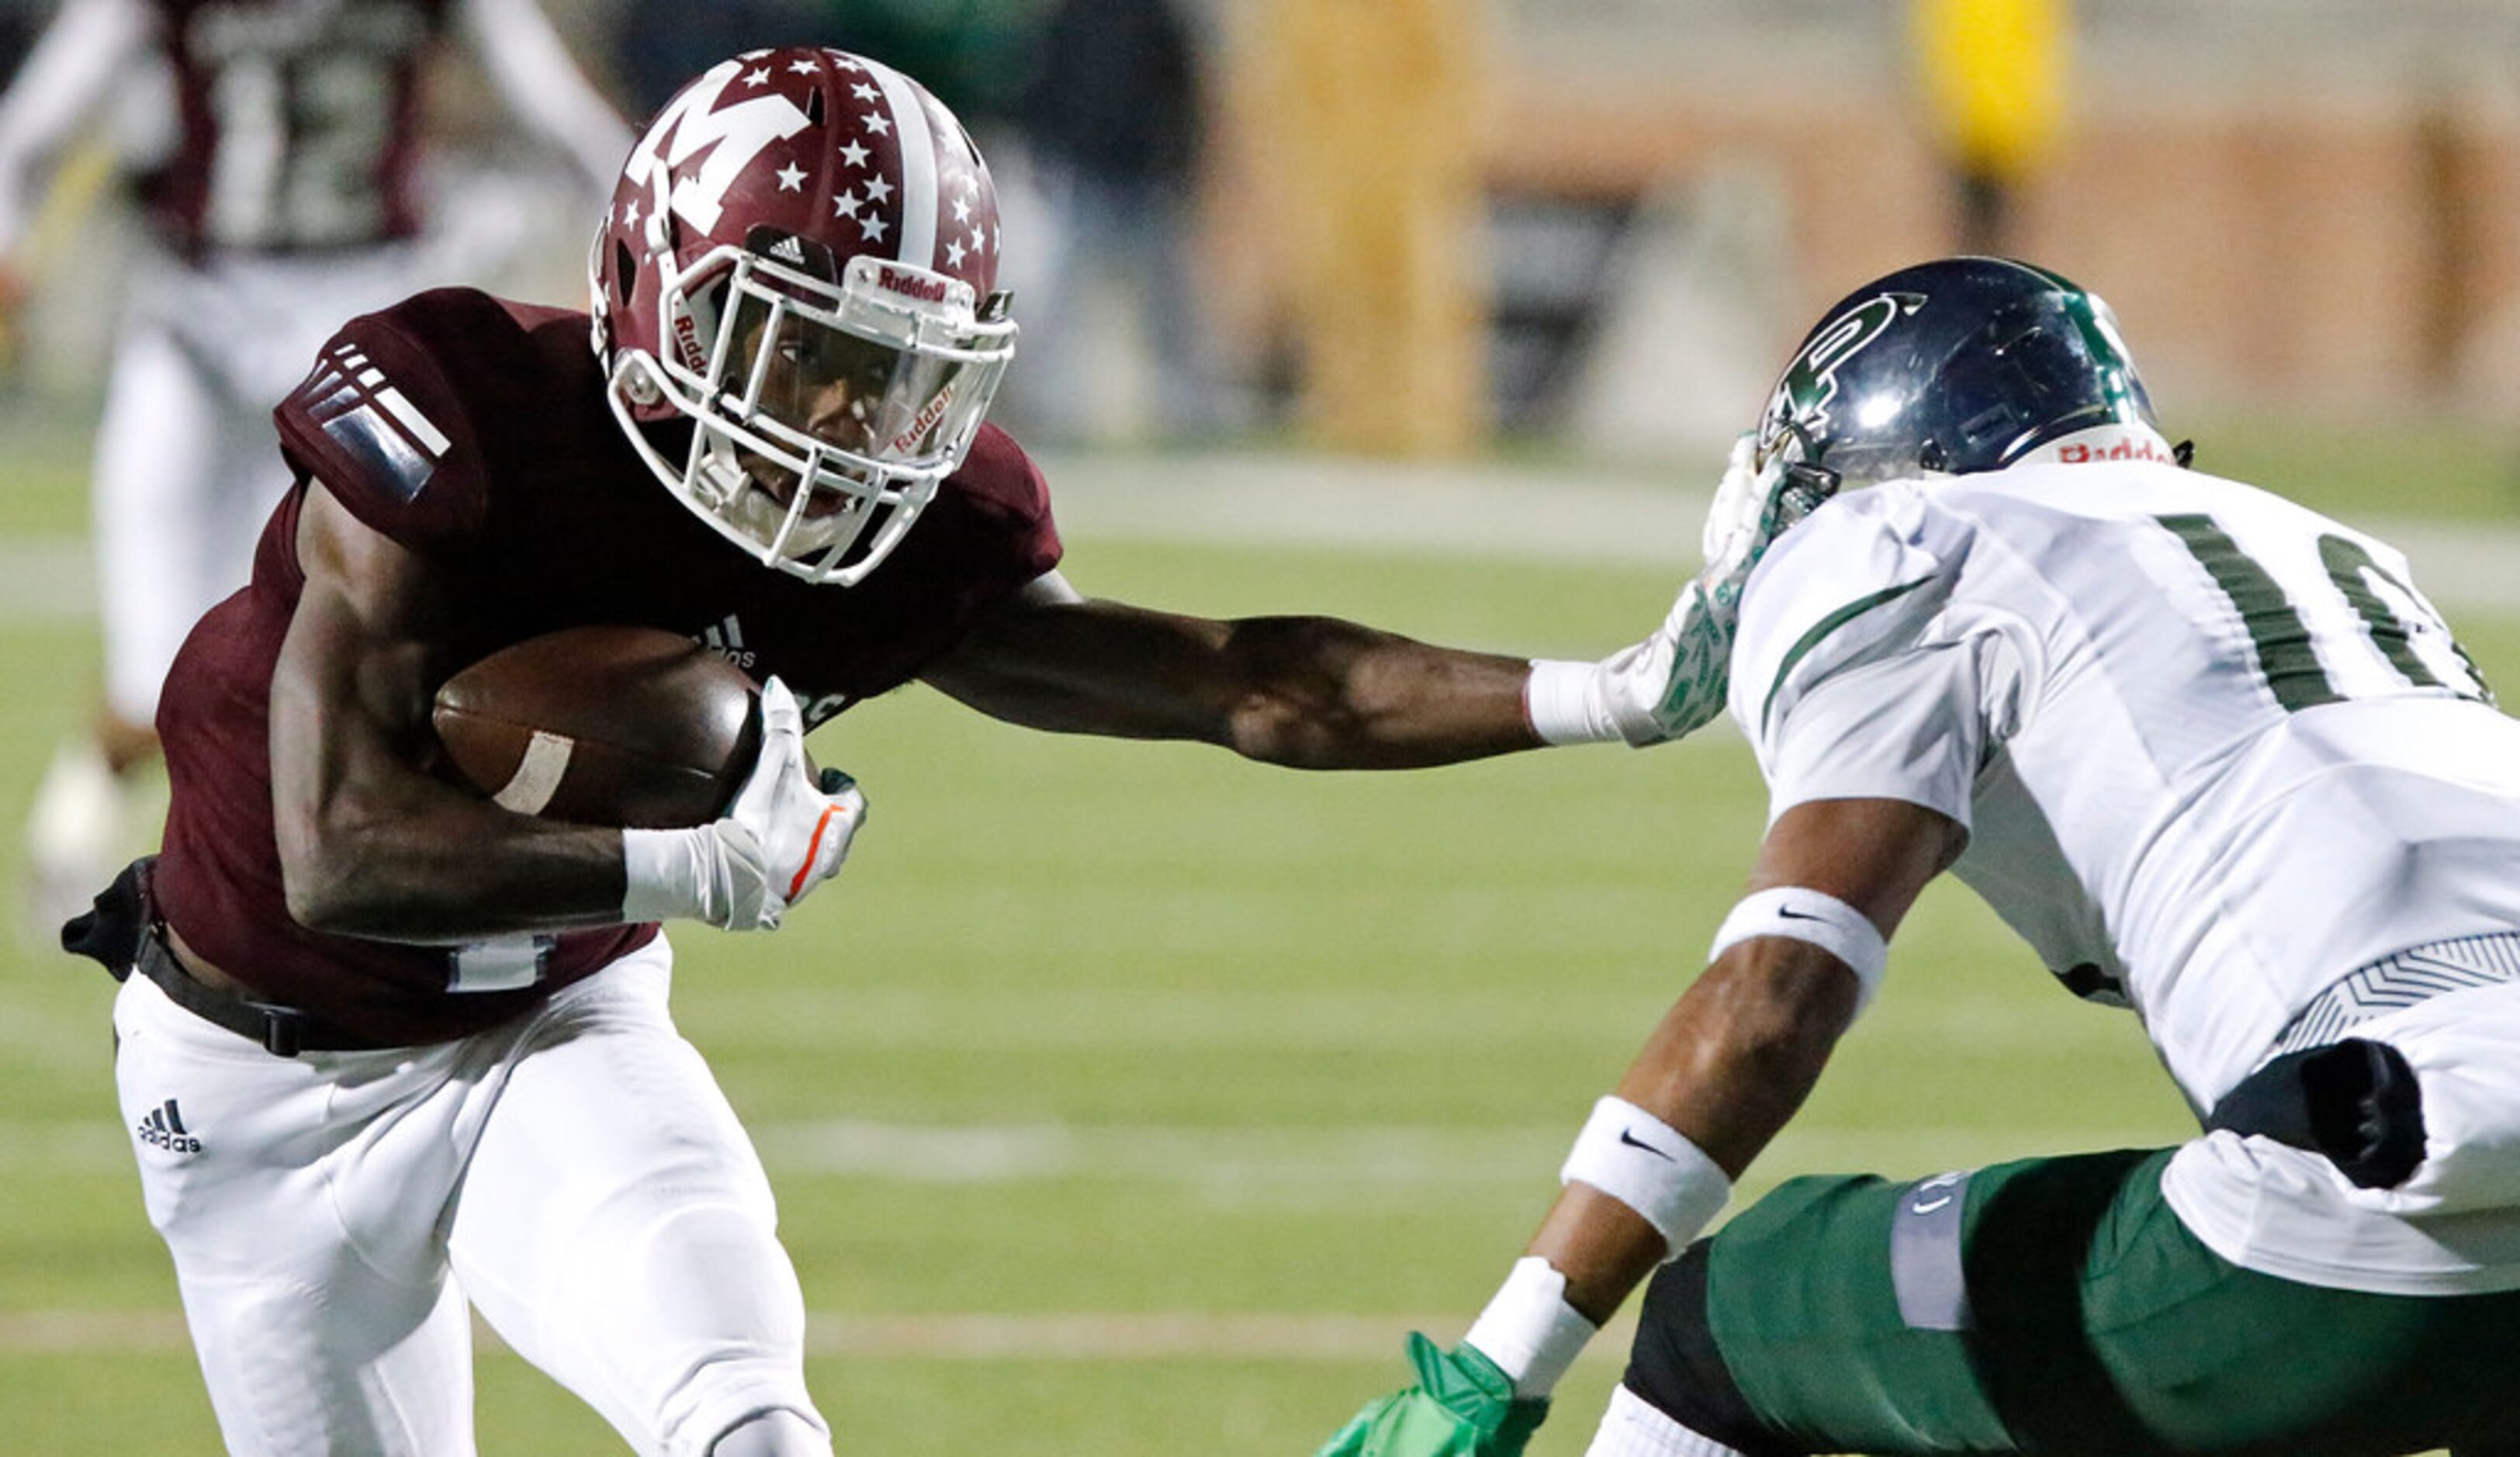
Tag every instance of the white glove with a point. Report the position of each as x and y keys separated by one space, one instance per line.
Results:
x=1675 y=681
x=784 y=834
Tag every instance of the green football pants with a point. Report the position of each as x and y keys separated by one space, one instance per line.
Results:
x=2052 y=1306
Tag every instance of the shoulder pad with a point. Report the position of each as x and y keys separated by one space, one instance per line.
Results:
x=1003 y=486
x=1856 y=581
x=389 y=418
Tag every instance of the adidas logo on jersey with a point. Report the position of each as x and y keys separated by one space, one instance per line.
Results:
x=725 y=640
x=164 y=1129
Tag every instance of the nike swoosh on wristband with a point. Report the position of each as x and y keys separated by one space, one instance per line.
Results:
x=1634 y=1142
x=1788 y=913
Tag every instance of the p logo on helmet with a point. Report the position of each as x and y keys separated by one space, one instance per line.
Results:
x=1802 y=398
x=1950 y=367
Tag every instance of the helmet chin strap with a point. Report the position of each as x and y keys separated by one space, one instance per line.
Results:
x=759 y=515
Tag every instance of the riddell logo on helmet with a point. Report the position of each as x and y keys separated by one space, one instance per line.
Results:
x=686 y=340
x=2134 y=447
x=895 y=281
x=909 y=439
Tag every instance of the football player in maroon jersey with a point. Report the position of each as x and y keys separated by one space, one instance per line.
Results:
x=376 y=1013
x=287 y=199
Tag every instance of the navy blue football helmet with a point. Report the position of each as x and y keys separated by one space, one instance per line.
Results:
x=1950 y=367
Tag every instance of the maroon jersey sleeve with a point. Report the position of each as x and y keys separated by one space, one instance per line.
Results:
x=1004 y=490
x=388 y=434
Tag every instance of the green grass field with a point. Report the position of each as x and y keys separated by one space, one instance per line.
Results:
x=1127 y=1098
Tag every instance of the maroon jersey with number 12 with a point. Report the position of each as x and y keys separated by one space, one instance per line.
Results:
x=474 y=431
x=299 y=124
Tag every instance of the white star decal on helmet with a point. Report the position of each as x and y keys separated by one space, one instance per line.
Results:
x=878 y=124
x=854 y=155
x=791 y=178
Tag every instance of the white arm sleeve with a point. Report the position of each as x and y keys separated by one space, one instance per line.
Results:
x=65 y=85
x=532 y=68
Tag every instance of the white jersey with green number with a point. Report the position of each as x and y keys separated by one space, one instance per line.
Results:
x=2213 y=752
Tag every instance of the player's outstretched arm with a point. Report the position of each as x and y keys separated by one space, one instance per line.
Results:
x=1725 y=1071
x=62 y=85
x=370 y=845
x=1314 y=693
x=529 y=66
x=1323 y=694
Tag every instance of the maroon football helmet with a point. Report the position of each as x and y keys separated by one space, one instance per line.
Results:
x=801 y=260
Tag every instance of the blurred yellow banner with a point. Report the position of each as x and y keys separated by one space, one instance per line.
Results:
x=1994 y=72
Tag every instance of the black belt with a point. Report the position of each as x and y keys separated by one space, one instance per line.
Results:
x=123 y=933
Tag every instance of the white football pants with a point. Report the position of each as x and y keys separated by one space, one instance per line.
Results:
x=186 y=463
x=577 y=1171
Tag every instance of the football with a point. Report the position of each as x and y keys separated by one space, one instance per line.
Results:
x=628 y=726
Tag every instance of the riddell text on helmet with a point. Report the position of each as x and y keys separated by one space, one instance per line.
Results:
x=2137 y=448
x=917 y=286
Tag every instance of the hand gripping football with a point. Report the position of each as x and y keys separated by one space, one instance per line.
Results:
x=628 y=726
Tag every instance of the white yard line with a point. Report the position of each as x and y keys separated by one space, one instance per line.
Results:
x=1513 y=511
x=1547 y=513
x=1348 y=1169
x=1348 y=1161
x=1077 y=1336
x=46 y=579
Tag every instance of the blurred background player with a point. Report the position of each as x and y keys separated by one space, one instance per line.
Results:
x=1113 y=113
x=284 y=192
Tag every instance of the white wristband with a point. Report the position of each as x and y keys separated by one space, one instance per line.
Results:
x=669 y=873
x=1565 y=704
x=1815 y=917
x=1529 y=1330
x=1652 y=1167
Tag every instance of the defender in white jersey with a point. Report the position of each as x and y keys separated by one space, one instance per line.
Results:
x=288 y=197
x=2219 y=761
